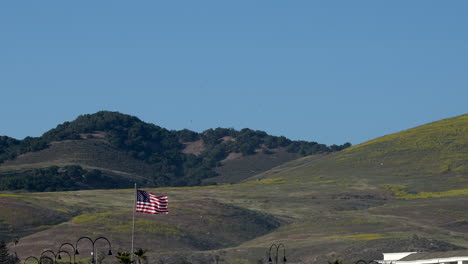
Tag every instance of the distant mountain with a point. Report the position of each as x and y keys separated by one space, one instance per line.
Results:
x=113 y=150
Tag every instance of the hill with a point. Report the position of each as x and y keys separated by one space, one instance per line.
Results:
x=353 y=204
x=429 y=158
x=113 y=150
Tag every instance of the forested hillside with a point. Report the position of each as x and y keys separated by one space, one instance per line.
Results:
x=161 y=149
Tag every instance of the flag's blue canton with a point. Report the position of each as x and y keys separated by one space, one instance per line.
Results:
x=143 y=196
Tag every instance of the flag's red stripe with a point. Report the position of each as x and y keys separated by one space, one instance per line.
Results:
x=152 y=204
x=159 y=199
x=148 y=210
x=155 y=212
x=161 y=196
x=152 y=210
x=157 y=202
x=161 y=204
x=164 y=197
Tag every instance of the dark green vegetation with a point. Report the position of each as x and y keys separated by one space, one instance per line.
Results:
x=71 y=177
x=124 y=257
x=5 y=256
x=120 y=149
x=402 y=192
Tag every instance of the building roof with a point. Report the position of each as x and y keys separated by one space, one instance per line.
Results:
x=435 y=255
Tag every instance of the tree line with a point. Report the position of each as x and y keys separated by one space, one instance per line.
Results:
x=157 y=146
x=55 y=178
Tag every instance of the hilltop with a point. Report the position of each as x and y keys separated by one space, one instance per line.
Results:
x=113 y=150
x=394 y=193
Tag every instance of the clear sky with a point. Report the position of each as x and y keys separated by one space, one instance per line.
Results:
x=326 y=71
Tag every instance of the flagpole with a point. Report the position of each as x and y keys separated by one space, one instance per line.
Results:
x=133 y=226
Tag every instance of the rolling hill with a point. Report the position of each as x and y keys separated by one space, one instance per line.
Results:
x=429 y=158
x=402 y=192
x=114 y=150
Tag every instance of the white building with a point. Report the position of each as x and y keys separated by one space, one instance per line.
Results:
x=448 y=257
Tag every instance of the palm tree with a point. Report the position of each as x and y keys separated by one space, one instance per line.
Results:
x=140 y=253
x=124 y=257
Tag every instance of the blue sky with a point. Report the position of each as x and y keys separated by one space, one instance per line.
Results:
x=326 y=71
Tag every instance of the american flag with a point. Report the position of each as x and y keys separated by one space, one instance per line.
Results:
x=150 y=203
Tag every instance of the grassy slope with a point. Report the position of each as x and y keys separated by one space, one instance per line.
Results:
x=89 y=153
x=428 y=158
x=339 y=206
x=99 y=154
x=243 y=167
